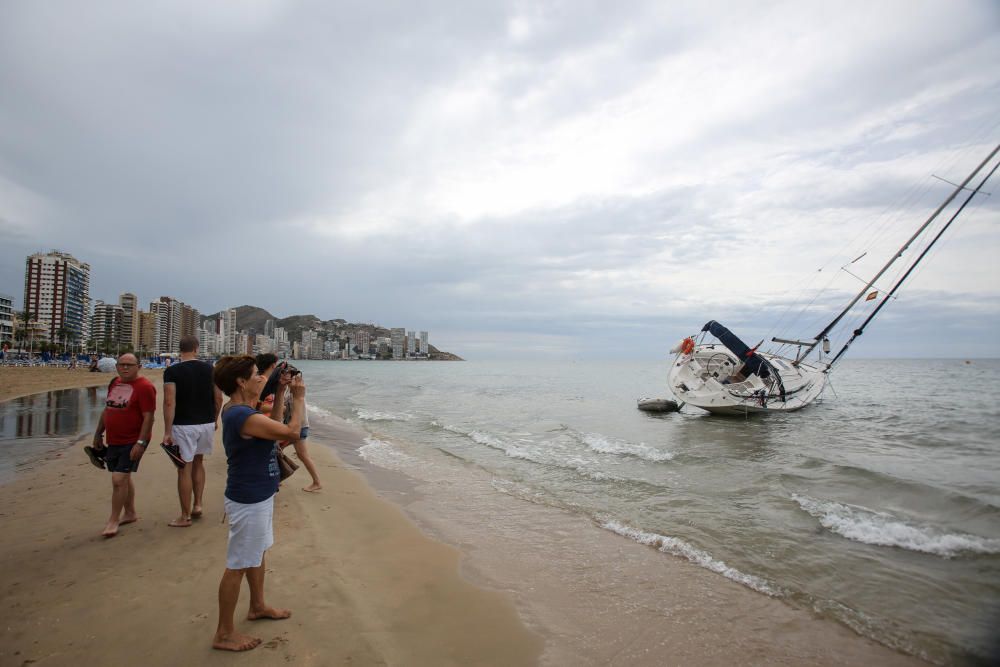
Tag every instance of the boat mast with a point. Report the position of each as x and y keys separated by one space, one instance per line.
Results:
x=829 y=327
x=860 y=330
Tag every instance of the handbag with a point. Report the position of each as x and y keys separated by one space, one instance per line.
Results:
x=286 y=466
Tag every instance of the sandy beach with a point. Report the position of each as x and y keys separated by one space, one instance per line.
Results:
x=365 y=586
x=368 y=583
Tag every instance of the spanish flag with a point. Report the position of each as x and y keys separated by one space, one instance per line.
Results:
x=871 y=296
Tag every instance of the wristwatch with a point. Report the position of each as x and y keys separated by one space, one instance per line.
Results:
x=142 y=443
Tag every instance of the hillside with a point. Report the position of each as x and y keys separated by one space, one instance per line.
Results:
x=253 y=317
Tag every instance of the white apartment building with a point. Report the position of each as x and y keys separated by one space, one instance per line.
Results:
x=424 y=344
x=230 y=331
x=106 y=326
x=6 y=318
x=398 y=337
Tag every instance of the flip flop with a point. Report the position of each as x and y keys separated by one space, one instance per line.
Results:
x=174 y=454
x=96 y=457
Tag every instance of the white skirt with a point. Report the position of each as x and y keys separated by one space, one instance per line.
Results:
x=251 y=532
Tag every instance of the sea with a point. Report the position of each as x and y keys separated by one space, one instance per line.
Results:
x=878 y=507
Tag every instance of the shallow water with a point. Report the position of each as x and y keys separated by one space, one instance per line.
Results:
x=33 y=427
x=878 y=507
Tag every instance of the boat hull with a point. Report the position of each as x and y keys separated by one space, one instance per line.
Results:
x=706 y=377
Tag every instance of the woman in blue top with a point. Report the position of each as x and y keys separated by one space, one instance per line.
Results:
x=249 y=439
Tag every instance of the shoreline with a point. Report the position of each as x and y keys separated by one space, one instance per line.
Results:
x=381 y=567
x=365 y=585
x=596 y=596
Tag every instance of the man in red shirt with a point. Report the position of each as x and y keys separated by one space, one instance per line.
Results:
x=128 y=422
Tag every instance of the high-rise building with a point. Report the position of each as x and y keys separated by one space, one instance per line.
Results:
x=230 y=331
x=57 y=293
x=106 y=326
x=364 y=341
x=6 y=318
x=411 y=344
x=190 y=317
x=424 y=345
x=148 y=328
x=269 y=328
x=398 y=338
x=130 y=319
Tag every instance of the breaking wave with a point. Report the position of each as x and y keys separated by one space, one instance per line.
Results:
x=606 y=445
x=382 y=454
x=378 y=416
x=883 y=529
x=676 y=547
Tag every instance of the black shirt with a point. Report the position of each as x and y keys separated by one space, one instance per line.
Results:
x=195 y=396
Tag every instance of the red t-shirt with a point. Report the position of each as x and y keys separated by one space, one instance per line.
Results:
x=123 y=410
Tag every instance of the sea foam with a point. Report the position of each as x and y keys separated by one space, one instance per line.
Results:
x=677 y=547
x=381 y=453
x=606 y=445
x=883 y=529
x=367 y=415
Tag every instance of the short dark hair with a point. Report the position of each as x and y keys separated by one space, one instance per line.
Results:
x=189 y=343
x=265 y=360
x=230 y=368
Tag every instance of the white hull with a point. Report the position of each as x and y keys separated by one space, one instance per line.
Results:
x=705 y=378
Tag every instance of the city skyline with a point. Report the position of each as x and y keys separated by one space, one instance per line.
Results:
x=56 y=289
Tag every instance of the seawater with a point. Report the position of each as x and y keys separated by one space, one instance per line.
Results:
x=879 y=506
x=34 y=427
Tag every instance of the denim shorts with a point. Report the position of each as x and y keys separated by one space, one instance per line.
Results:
x=116 y=458
x=304 y=433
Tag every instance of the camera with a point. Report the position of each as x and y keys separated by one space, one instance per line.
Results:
x=291 y=370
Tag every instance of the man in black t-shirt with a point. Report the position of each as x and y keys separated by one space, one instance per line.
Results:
x=191 y=404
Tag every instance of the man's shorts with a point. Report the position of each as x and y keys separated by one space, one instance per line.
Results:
x=116 y=458
x=251 y=532
x=304 y=433
x=193 y=439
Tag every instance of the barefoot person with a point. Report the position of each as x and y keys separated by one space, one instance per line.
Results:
x=267 y=362
x=249 y=439
x=191 y=404
x=127 y=421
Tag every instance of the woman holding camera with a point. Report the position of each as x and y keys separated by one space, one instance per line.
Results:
x=268 y=361
x=249 y=440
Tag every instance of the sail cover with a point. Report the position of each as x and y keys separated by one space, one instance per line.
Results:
x=752 y=362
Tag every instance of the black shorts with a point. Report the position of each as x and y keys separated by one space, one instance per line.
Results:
x=116 y=458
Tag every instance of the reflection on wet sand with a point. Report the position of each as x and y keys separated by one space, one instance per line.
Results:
x=34 y=426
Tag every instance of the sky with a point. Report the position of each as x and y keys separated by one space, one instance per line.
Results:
x=536 y=179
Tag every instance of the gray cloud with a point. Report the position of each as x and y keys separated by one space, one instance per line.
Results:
x=574 y=174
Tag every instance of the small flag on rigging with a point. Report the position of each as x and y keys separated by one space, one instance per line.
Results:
x=871 y=296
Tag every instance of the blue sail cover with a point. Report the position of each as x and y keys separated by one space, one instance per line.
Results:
x=752 y=362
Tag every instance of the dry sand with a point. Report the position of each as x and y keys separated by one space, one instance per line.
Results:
x=365 y=586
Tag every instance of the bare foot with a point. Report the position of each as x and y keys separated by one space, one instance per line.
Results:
x=196 y=512
x=312 y=488
x=111 y=529
x=270 y=613
x=181 y=522
x=128 y=519
x=235 y=641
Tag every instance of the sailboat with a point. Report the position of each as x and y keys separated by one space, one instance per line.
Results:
x=727 y=376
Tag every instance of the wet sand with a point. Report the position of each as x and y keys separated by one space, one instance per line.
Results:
x=523 y=584
x=25 y=380
x=365 y=586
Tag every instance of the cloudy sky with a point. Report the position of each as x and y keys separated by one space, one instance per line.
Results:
x=551 y=178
